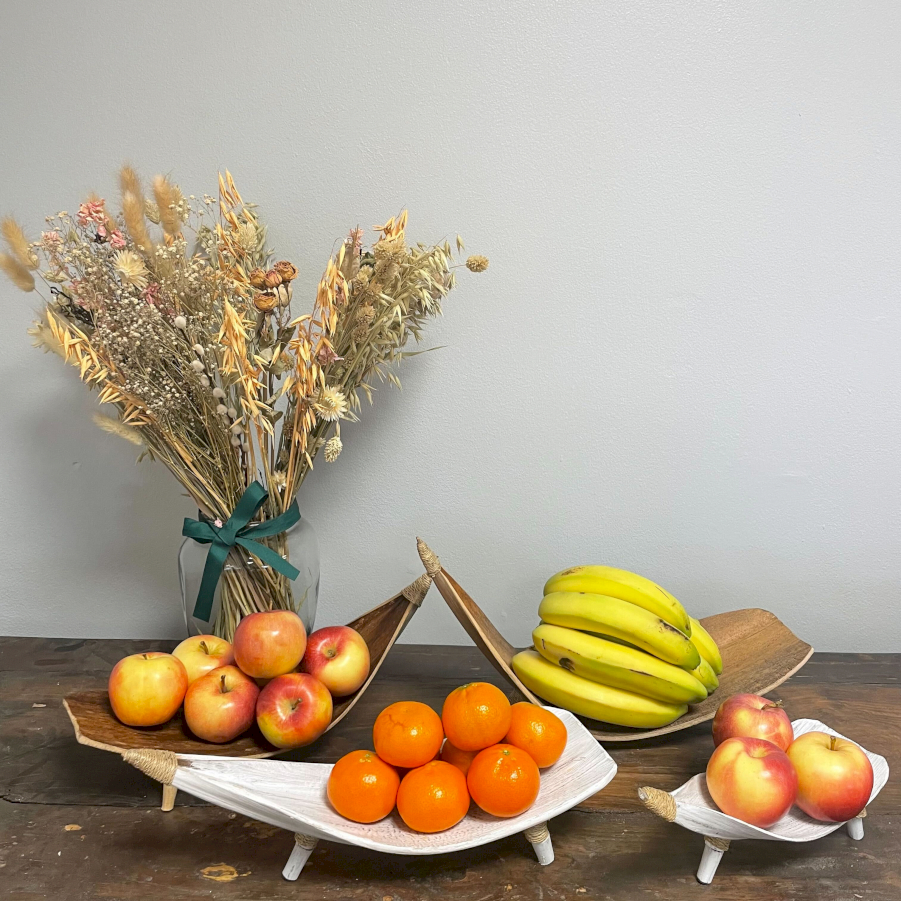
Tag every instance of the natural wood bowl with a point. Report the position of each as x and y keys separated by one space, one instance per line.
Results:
x=759 y=653
x=96 y=725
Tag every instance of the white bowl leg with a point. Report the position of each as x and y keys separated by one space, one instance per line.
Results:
x=714 y=849
x=169 y=793
x=540 y=839
x=855 y=826
x=303 y=848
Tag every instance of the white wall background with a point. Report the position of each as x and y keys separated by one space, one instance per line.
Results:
x=685 y=356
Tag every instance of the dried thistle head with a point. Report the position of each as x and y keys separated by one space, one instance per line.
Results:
x=477 y=263
x=333 y=448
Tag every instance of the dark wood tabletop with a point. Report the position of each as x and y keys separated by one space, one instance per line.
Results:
x=78 y=823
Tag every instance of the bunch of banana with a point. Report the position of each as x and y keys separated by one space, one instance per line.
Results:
x=617 y=647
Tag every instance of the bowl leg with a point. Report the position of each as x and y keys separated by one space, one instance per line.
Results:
x=540 y=839
x=714 y=849
x=169 y=793
x=303 y=848
x=855 y=826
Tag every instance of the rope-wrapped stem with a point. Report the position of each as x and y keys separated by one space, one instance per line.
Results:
x=660 y=802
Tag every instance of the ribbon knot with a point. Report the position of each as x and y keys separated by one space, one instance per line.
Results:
x=237 y=531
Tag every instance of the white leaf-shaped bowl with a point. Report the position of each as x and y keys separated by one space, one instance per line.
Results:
x=293 y=796
x=691 y=806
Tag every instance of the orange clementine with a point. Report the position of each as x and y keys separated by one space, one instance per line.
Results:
x=433 y=797
x=540 y=733
x=460 y=759
x=362 y=787
x=475 y=716
x=407 y=734
x=503 y=780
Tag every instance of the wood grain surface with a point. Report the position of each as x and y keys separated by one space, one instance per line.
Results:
x=612 y=848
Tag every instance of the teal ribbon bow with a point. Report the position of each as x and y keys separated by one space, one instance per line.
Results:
x=237 y=531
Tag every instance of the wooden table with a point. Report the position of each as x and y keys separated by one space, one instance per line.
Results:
x=76 y=823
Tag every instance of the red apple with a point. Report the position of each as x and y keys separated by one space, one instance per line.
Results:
x=202 y=653
x=146 y=689
x=270 y=643
x=294 y=710
x=835 y=777
x=221 y=705
x=338 y=657
x=752 y=780
x=751 y=716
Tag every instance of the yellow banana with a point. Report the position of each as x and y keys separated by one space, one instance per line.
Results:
x=704 y=673
x=619 y=583
x=613 y=664
x=706 y=646
x=587 y=698
x=620 y=619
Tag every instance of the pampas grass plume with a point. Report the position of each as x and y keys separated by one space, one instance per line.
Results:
x=133 y=213
x=114 y=427
x=16 y=272
x=18 y=243
x=129 y=183
x=166 y=197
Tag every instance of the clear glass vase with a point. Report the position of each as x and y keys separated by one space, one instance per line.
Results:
x=247 y=586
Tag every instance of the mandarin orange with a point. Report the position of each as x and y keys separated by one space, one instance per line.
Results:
x=433 y=797
x=503 y=780
x=407 y=734
x=362 y=787
x=460 y=759
x=540 y=733
x=475 y=716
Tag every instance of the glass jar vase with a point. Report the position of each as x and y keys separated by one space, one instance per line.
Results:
x=247 y=585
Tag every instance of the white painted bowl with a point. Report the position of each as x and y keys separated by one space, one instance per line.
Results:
x=293 y=796
x=692 y=807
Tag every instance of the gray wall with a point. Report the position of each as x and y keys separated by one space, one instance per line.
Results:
x=683 y=360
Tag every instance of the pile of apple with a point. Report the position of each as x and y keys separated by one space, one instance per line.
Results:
x=272 y=675
x=759 y=769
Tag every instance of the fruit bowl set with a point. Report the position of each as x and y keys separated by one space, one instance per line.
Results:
x=96 y=726
x=293 y=796
x=758 y=651
x=691 y=806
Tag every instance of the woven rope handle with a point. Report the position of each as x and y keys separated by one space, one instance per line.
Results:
x=416 y=591
x=158 y=764
x=431 y=563
x=660 y=802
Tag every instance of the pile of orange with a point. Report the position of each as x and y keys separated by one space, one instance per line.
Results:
x=481 y=749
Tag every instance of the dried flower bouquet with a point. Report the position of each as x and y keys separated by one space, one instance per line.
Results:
x=175 y=313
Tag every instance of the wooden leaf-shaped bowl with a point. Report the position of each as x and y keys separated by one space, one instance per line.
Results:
x=759 y=653
x=96 y=725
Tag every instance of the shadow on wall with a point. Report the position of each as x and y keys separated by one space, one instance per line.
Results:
x=114 y=527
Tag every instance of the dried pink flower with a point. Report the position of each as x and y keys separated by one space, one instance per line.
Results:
x=116 y=240
x=327 y=355
x=92 y=211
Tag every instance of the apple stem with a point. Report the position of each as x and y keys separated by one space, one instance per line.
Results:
x=222 y=683
x=204 y=648
x=777 y=705
x=832 y=740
